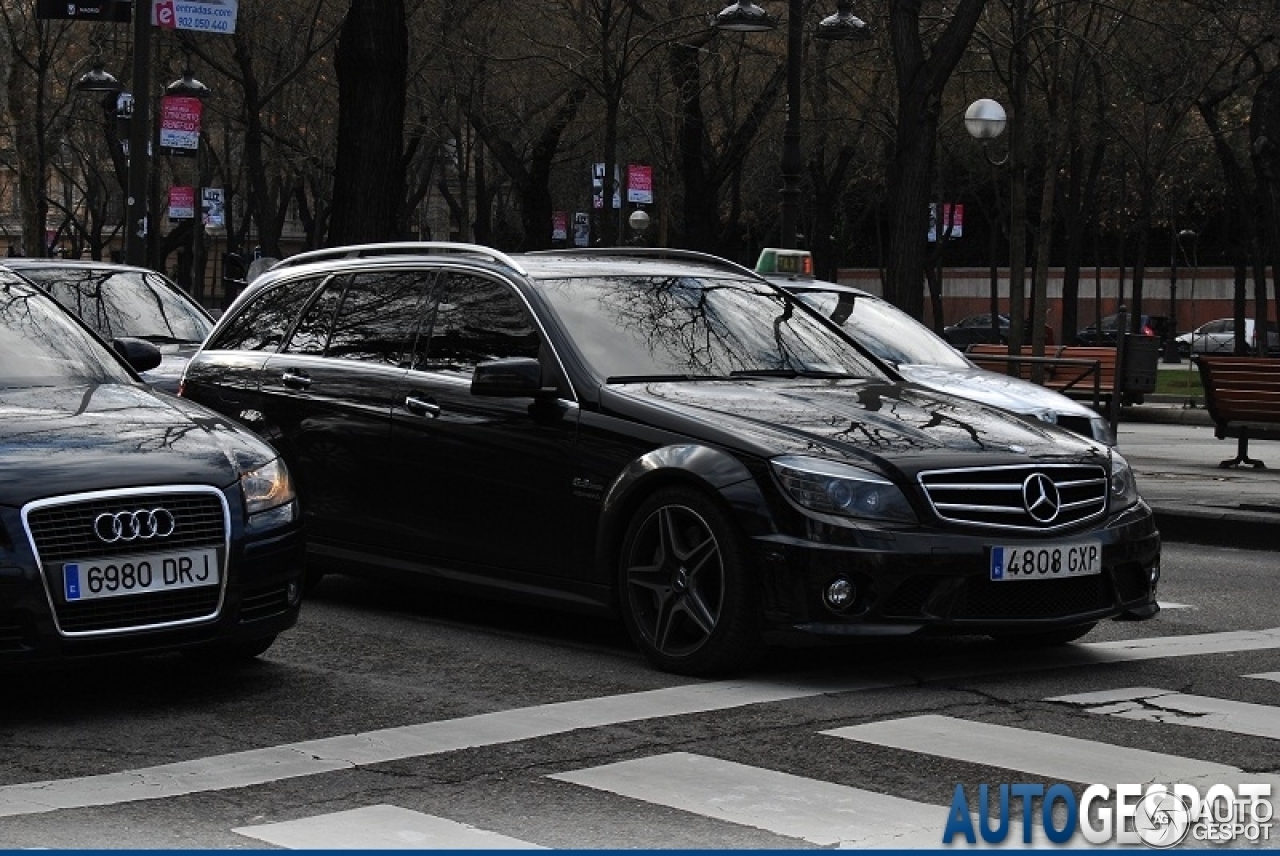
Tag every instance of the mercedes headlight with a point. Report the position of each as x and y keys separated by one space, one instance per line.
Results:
x=1124 y=488
x=268 y=495
x=834 y=488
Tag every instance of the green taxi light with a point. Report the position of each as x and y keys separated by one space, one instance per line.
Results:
x=787 y=262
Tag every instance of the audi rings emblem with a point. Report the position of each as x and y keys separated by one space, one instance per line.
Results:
x=141 y=525
x=1041 y=498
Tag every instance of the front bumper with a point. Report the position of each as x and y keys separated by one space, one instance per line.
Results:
x=933 y=582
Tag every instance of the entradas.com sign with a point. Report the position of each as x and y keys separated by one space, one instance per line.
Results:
x=210 y=16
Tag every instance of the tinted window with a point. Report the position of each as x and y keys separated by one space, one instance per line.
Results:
x=312 y=334
x=474 y=319
x=262 y=324
x=884 y=329
x=124 y=303
x=379 y=317
x=41 y=346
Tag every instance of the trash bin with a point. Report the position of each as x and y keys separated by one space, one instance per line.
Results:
x=1138 y=374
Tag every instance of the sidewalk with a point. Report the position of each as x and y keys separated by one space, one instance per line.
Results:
x=1175 y=456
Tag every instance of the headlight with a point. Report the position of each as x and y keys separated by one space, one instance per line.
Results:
x=266 y=487
x=1124 y=490
x=834 y=488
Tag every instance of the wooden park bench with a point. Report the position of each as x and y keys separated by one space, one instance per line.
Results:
x=1078 y=372
x=1242 y=395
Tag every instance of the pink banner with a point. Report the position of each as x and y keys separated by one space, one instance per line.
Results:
x=180 y=123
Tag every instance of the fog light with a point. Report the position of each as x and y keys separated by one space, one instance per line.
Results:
x=293 y=592
x=840 y=594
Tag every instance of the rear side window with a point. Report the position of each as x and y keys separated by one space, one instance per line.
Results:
x=263 y=322
x=474 y=319
x=311 y=336
x=379 y=317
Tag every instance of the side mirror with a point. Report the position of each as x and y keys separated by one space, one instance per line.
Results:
x=138 y=353
x=513 y=377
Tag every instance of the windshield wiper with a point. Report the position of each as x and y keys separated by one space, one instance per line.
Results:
x=662 y=378
x=791 y=374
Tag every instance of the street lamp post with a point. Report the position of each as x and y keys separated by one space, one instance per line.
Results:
x=746 y=17
x=137 y=219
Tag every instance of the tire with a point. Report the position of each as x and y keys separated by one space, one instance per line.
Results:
x=226 y=653
x=1046 y=638
x=685 y=586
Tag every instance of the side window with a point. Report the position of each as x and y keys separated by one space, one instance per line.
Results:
x=312 y=333
x=262 y=324
x=474 y=319
x=379 y=317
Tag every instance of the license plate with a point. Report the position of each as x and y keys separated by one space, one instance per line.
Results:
x=124 y=575
x=1046 y=563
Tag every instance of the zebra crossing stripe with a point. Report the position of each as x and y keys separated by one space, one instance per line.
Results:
x=821 y=813
x=1157 y=705
x=1052 y=756
x=345 y=752
x=1266 y=676
x=380 y=827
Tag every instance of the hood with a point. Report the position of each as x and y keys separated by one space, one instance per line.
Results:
x=903 y=425
x=74 y=439
x=996 y=390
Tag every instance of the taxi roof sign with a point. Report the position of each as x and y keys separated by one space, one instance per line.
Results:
x=776 y=260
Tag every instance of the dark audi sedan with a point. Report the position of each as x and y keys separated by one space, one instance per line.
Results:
x=130 y=521
x=668 y=436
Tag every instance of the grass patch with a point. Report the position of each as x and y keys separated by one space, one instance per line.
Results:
x=1183 y=381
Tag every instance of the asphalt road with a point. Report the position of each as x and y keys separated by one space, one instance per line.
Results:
x=397 y=718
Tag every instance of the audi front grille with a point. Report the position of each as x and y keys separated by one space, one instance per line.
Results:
x=1023 y=498
x=136 y=522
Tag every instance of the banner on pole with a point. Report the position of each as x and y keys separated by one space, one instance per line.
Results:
x=180 y=124
x=952 y=221
x=182 y=202
x=212 y=206
x=597 y=186
x=209 y=16
x=110 y=11
x=640 y=183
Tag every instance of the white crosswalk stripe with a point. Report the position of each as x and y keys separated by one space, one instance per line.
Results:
x=380 y=827
x=1157 y=705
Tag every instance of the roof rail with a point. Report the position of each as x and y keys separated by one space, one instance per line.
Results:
x=652 y=253
x=422 y=248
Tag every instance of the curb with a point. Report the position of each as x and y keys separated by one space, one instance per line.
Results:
x=1217 y=527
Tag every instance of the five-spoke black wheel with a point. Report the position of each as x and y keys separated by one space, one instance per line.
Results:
x=685 y=585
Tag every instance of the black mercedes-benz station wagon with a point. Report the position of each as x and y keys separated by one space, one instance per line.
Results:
x=667 y=435
x=130 y=521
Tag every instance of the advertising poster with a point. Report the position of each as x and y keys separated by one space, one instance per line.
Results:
x=182 y=202
x=559 y=226
x=209 y=16
x=212 y=206
x=952 y=223
x=597 y=186
x=180 y=124
x=639 y=183
x=581 y=229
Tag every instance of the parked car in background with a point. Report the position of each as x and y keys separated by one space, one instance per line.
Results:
x=130 y=521
x=120 y=301
x=1219 y=337
x=1104 y=333
x=665 y=435
x=919 y=355
x=977 y=329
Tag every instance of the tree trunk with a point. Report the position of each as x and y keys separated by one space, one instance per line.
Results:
x=369 y=174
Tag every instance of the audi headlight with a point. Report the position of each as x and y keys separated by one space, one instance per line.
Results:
x=835 y=488
x=268 y=495
x=1124 y=489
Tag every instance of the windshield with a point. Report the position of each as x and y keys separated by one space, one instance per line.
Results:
x=884 y=329
x=124 y=303
x=638 y=328
x=41 y=346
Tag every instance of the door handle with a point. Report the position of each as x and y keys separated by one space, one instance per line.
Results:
x=422 y=406
x=295 y=379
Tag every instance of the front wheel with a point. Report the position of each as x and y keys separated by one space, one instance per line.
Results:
x=1046 y=638
x=685 y=586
